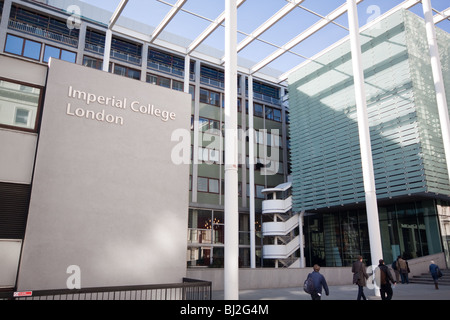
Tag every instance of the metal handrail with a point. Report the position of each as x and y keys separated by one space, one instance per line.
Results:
x=190 y=289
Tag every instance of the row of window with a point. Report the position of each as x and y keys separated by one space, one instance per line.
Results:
x=33 y=50
x=211 y=185
x=213 y=156
x=56 y=30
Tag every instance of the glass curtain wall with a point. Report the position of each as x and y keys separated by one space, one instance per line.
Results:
x=408 y=229
x=206 y=232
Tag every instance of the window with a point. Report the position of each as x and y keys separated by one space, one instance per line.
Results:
x=23 y=47
x=126 y=51
x=20 y=105
x=210 y=97
x=209 y=185
x=53 y=52
x=92 y=63
x=273 y=113
x=277 y=115
x=258 y=111
x=22 y=117
x=95 y=42
x=209 y=124
x=166 y=62
x=202 y=184
x=127 y=72
x=178 y=85
x=213 y=185
x=158 y=80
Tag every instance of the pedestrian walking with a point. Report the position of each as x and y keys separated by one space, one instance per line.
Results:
x=384 y=280
x=359 y=277
x=319 y=282
x=397 y=273
x=403 y=268
x=435 y=274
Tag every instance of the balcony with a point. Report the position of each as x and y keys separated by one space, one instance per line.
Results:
x=280 y=228
x=281 y=251
x=277 y=206
x=42 y=33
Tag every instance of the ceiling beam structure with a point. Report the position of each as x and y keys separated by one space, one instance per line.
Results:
x=170 y=15
x=255 y=70
x=117 y=13
x=301 y=37
x=210 y=29
x=441 y=16
x=269 y=23
x=407 y=4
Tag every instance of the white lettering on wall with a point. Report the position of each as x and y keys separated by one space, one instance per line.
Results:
x=90 y=99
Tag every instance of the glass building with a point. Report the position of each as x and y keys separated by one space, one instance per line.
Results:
x=411 y=178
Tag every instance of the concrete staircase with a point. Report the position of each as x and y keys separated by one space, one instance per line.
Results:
x=425 y=278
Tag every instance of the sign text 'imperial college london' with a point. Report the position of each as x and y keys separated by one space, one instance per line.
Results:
x=102 y=115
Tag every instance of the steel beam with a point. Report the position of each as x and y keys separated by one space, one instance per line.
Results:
x=170 y=15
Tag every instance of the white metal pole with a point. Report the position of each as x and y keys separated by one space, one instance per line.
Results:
x=107 y=53
x=187 y=73
x=231 y=263
x=251 y=169
x=438 y=79
x=301 y=236
x=364 y=137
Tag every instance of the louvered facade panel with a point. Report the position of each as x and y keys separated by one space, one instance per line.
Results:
x=325 y=152
x=14 y=203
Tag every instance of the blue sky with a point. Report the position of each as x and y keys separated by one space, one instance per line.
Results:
x=255 y=12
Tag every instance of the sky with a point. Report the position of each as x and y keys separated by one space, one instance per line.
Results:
x=253 y=13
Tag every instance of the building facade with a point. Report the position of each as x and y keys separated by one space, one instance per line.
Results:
x=33 y=33
x=412 y=183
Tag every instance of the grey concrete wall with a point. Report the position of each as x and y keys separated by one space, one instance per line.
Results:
x=106 y=195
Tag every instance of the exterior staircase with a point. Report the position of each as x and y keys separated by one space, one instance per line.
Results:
x=283 y=231
x=425 y=278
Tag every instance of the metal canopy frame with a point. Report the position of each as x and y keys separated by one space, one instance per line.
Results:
x=229 y=17
x=255 y=35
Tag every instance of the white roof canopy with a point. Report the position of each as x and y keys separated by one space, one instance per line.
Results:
x=275 y=36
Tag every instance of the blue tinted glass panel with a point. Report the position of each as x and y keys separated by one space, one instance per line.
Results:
x=51 y=52
x=68 y=56
x=14 y=45
x=32 y=50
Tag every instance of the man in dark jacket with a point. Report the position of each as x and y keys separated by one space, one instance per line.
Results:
x=319 y=283
x=384 y=281
x=359 y=277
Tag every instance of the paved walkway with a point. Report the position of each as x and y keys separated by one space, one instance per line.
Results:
x=410 y=291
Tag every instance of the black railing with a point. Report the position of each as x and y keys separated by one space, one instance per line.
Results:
x=190 y=289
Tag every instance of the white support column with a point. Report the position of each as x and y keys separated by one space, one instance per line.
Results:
x=231 y=264
x=107 y=53
x=301 y=236
x=438 y=79
x=187 y=73
x=364 y=138
x=251 y=170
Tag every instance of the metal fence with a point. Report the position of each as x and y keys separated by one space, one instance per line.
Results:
x=190 y=289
